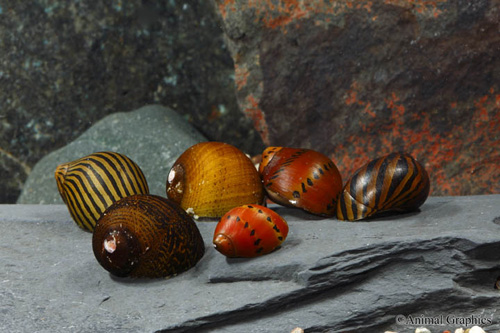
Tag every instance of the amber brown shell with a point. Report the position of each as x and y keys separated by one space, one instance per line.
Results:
x=249 y=231
x=210 y=178
x=92 y=183
x=301 y=178
x=394 y=182
x=146 y=236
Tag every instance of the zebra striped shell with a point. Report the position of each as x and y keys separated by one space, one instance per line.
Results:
x=249 y=231
x=92 y=183
x=146 y=236
x=392 y=182
x=301 y=178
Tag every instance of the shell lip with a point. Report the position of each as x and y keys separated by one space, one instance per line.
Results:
x=296 y=203
x=118 y=252
x=175 y=183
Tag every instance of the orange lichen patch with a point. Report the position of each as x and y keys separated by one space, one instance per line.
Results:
x=241 y=76
x=470 y=149
x=280 y=14
x=429 y=8
x=352 y=99
x=226 y=5
x=254 y=112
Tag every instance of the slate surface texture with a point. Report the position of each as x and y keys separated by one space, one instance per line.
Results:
x=329 y=276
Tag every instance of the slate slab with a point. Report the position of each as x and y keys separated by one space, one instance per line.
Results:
x=329 y=276
x=153 y=136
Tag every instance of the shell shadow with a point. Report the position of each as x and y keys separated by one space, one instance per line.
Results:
x=391 y=216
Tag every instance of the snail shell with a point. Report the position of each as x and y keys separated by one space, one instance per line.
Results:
x=146 y=236
x=249 y=231
x=92 y=183
x=301 y=178
x=210 y=178
x=392 y=182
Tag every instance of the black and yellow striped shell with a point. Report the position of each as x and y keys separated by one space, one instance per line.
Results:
x=146 y=236
x=92 y=183
x=395 y=182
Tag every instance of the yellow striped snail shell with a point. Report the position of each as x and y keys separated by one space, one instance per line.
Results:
x=395 y=182
x=210 y=178
x=146 y=236
x=92 y=183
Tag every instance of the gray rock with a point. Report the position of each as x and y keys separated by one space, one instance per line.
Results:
x=357 y=80
x=66 y=65
x=152 y=136
x=329 y=276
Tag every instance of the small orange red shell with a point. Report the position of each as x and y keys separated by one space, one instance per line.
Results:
x=301 y=178
x=249 y=231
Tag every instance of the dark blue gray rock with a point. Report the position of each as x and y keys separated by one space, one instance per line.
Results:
x=152 y=136
x=329 y=276
x=66 y=65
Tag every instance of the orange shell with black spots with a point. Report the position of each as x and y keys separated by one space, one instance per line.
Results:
x=249 y=231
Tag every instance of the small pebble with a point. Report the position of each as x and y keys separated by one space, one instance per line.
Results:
x=422 y=330
x=297 y=330
x=476 y=329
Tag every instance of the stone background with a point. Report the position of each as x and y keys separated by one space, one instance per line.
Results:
x=352 y=79
x=358 y=79
x=66 y=64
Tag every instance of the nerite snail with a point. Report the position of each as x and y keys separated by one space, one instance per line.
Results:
x=92 y=183
x=392 y=182
x=301 y=178
x=146 y=236
x=249 y=231
x=210 y=178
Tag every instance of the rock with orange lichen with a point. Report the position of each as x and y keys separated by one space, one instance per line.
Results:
x=359 y=79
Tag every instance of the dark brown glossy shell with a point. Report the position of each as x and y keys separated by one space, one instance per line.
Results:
x=146 y=236
x=395 y=182
x=301 y=178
